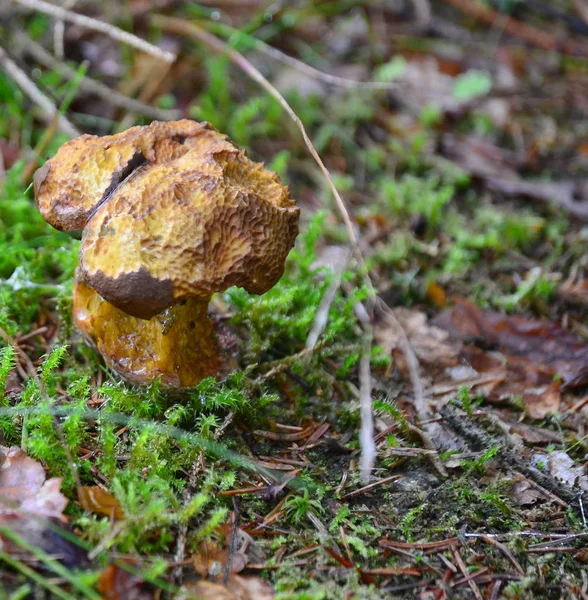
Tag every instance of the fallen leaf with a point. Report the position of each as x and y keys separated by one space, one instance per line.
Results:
x=494 y=166
x=436 y=295
x=237 y=588
x=23 y=486
x=9 y=153
x=118 y=583
x=575 y=292
x=543 y=348
x=562 y=467
x=206 y=590
x=211 y=560
x=532 y=434
x=96 y=500
x=31 y=510
x=543 y=401
x=49 y=535
x=525 y=494
x=430 y=344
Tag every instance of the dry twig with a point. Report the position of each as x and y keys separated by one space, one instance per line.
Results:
x=97 y=25
x=91 y=86
x=35 y=94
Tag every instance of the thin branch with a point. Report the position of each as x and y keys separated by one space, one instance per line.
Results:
x=322 y=313
x=307 y=69
x=35 y=94
x=97 y=25
x=366 y=432
x=91 y=85
x=528 y=33
x=59 y=31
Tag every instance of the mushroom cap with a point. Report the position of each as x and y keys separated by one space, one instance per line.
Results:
x=195 y=218
x=87 y=169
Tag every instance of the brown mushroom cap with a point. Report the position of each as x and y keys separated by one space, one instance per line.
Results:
x=196 y=218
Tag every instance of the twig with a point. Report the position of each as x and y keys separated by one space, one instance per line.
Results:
x=232 y=549
x=92 y=86
x=35 y=94
x=97 y=25
x=506 y=553
x=307 y=69
x=529 y=34
x=59 y=30
x=366 y=432
x=560 y=540
x=473 y=585
x=368 y=488
x=322 y=313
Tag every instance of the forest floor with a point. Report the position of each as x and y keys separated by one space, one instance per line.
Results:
x=456 y=134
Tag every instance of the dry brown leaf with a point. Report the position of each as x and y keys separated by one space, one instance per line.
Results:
x=532 y=434
x=538 y=349
x=496 y=167
x=563 y=467
x=96 y=500
x=31 y=507
x=525 y=494
x=429 y=343
x=118 y=583
x=23 y=486
x=543 y=401
x=575 y=292
x=211 y=560
x=436 y=295
x=206 y=590
x=237 y=588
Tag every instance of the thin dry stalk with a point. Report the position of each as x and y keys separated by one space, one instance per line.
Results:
x=473 y=585
x=35 y=94
x=366 y=432
x=96 y=25
x=59 y=30
x=318 y=74
x=92 y=86
x=322 y=313
x=506 y=553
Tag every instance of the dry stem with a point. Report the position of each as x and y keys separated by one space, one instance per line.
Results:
x=97 y=25
x=35 y=94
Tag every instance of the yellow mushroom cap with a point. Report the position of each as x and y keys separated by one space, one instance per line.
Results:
x=87 y=169
x=196 y=217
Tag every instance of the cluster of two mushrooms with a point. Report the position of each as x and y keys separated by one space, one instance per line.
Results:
x=169 y=213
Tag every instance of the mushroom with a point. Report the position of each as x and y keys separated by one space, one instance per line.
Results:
x=170 y=213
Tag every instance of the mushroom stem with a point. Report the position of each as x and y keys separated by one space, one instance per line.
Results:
x=178 y=345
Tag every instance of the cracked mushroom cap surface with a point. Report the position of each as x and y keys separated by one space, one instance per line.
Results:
x=168 y=211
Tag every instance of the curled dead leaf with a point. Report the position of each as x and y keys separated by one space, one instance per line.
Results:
x=119 y=583
x=96 y=500
x=23 y=486
x=211 y=560
x=31 y=511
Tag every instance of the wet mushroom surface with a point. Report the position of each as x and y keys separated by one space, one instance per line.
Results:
x=170 y=213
